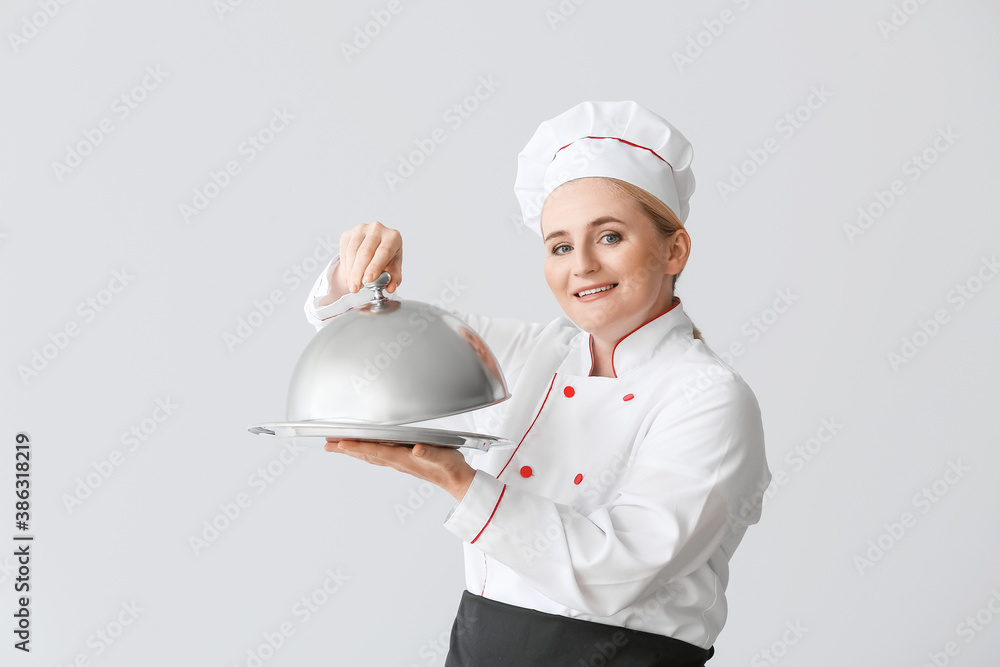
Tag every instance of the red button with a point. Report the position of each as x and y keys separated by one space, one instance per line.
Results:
x=628 y=397
x=578 y=479
x=569 y=391
x=526 y=471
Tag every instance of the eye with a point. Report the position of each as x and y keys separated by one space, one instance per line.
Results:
x=614 y=236
x=561 y=249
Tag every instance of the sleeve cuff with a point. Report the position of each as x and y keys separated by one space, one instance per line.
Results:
x=318 y=315
x=470 y=517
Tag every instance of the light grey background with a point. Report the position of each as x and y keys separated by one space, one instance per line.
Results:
x=163 y=336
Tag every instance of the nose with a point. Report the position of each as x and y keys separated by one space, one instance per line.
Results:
x=585 y=262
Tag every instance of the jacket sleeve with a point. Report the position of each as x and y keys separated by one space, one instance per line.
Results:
x=694 y=473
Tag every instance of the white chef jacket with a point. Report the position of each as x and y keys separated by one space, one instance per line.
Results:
x=625 y=497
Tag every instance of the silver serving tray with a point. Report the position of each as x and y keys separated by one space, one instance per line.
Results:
x=395 y=435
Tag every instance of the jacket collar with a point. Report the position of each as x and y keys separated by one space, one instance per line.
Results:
x=638 y=346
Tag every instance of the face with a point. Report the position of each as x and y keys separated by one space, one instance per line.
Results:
x=608 y=266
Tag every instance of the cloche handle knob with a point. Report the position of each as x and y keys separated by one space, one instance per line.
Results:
x=377 y=285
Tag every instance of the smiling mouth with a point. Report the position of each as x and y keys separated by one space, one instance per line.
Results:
x=596 y=290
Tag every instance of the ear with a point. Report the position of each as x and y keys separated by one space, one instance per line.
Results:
x=678 y=250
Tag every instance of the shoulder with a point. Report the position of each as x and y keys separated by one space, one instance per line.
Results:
x=700 y=390
x=701 y=372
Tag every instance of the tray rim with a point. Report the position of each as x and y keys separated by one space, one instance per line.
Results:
x=409 y=434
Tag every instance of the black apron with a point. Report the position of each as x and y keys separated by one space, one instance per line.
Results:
x=488 y=633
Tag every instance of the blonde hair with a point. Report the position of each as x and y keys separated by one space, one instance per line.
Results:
x=665 y=220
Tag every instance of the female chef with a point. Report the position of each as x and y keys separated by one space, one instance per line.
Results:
x=604 y=537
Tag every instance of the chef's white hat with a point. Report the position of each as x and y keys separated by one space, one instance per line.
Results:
x=620 y=140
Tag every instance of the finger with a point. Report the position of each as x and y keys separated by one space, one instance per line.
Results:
x=383 y=259
x=349 y=245
x=395 y=268
x=363 y=265
x=370 y=451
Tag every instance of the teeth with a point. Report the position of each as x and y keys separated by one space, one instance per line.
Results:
x=595 y=291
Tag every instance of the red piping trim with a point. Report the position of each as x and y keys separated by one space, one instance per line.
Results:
x=491 y=517
x=591 y=347
x=636 y=329
x=617 y=139
x=529 y=428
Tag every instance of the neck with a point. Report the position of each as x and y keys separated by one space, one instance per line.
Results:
x=602 y=358
x=602 y=348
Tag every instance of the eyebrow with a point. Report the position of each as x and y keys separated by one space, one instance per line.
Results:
x=593 y=223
